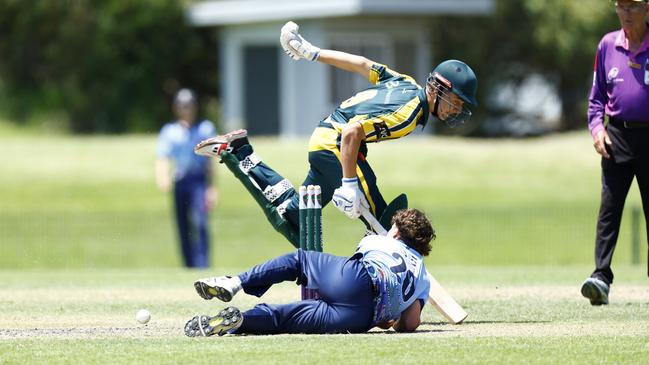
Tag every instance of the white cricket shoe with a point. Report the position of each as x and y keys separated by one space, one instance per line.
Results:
x=221 y=287
x=213 y=147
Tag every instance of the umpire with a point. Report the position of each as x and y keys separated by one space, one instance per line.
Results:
x=620 y=93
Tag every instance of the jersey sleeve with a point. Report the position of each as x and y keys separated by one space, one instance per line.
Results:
x=598 y=97
x=425 y=286
x=393 y=125
x=380 y=73
x=207 y=129
x=163 y=149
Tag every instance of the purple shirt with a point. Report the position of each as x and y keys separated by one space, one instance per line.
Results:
x=619 y=89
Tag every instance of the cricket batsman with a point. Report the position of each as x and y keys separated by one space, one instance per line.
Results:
x=383 y=284
x=392 y=108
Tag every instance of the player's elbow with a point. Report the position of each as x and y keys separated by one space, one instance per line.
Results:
x=412 y=325
x=353 y=133
x=408 y=325
x=366 y=63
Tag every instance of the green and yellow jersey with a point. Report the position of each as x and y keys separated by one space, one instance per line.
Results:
x=390 y=109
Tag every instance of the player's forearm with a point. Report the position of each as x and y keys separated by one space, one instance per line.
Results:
x=346 y=61
x=351 y=139
x=210 y=174
x=409 y=319
x=162 y=173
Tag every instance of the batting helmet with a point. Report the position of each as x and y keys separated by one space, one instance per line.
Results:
x=456 y=77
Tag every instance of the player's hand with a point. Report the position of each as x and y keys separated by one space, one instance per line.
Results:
x=164 y=184
x=211 y=197
x=601 y=141
x=349 y=199
x=295 y=45
x=386 y=324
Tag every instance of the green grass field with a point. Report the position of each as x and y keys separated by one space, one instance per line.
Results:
x=522 y=314
x=69 y=202
x=86 y=240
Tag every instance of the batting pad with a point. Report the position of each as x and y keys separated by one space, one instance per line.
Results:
x=399 y=203
x=278 y=222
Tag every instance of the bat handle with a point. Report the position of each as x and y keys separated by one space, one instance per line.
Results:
x=373 y=222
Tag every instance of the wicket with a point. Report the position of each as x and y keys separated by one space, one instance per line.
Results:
x=310 y=226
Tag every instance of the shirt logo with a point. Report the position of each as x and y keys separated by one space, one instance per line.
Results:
x=612 y=76
x=382 y=131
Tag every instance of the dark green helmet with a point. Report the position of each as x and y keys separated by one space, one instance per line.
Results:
x=455 y=77
x=462 y=78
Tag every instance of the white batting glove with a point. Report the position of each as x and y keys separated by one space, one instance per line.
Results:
x=295 y=45
x=349 y=199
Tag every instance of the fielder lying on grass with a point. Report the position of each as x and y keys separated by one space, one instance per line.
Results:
x=383 y=284
x=391 y=108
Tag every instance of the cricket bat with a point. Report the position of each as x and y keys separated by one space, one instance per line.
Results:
x=438 y=297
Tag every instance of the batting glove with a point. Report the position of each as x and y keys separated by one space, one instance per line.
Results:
x=295 y=45
x=349 y=199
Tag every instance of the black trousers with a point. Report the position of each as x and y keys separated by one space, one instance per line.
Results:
x=629 y=158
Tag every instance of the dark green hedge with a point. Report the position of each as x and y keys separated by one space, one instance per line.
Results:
x=108 y=66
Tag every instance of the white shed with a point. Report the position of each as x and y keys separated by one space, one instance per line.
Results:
x=266 y=92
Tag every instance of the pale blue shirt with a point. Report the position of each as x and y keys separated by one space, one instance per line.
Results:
x=398 y=272
x=176 y=143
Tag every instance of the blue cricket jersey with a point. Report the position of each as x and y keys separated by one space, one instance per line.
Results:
x=397 y=271
x=177 y=142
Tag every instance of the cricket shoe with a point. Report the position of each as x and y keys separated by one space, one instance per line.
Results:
x=226 y=321
x=221 y=287
x=596 y=290
x=213 y=147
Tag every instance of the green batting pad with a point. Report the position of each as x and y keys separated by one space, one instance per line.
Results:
x=280 y=224
x=399 y=203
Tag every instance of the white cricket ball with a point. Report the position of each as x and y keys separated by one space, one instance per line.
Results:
x=143 y=316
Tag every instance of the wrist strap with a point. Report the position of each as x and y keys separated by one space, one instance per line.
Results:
x=316 y=54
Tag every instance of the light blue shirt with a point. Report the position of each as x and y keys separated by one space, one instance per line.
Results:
x=176 y=143
x=398 y=272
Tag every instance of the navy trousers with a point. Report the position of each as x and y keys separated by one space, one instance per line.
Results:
x=192 y=220
x=346 y=303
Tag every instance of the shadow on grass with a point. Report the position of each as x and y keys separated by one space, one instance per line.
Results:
x=392 y=332
x=484 y=322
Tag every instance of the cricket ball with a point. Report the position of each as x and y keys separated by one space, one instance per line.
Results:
x=143 y=316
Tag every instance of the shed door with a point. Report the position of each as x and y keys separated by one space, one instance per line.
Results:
x=261 y=89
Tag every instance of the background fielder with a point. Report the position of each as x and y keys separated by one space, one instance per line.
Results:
x=383 y=284
x=193 y=189
x=390 y=109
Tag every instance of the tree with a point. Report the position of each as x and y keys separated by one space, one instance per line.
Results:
x=110 y=66
x=554 y=38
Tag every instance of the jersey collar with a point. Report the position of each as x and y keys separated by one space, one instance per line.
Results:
x=623 y=42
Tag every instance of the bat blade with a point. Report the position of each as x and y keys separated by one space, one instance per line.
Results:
x=444 y=302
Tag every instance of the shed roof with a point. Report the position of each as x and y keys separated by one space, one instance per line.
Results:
x=223 y=12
